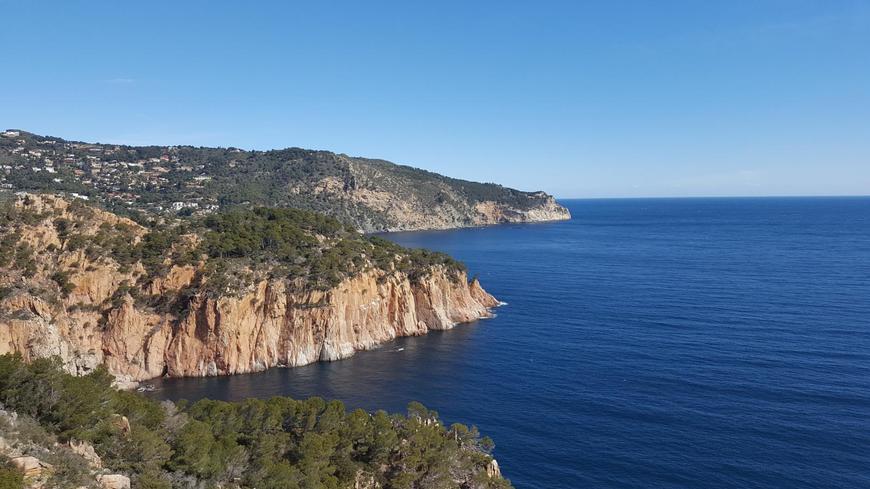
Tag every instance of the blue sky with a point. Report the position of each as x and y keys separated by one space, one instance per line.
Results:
x=581 y=99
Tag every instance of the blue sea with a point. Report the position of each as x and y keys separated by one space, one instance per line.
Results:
x=646 y=343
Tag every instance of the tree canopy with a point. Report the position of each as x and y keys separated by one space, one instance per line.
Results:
x=273 y=443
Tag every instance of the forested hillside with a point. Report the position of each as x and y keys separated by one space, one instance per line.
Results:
x=369 y=195
x=76 y=431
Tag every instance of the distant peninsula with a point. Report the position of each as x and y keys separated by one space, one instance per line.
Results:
x=369 y=194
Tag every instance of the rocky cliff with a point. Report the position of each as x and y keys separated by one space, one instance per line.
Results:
x=88 y=307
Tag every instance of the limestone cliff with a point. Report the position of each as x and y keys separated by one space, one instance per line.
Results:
x=88 y=309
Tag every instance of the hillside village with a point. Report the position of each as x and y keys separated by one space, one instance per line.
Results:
x=118 y=175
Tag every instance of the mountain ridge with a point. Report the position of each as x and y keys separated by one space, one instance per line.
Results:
x=373 y=195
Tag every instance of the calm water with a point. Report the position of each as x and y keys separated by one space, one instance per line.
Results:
x=660 y=343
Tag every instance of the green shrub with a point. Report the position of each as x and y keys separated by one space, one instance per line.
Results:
x=10 y=476
x=62 y=280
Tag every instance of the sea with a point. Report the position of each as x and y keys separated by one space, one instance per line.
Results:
x=645 y=343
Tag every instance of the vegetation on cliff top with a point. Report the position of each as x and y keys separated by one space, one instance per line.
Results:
x=231 y=250
x=307 y=243
x=278 y=443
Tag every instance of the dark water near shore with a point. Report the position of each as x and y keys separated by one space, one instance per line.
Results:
x=670 y=343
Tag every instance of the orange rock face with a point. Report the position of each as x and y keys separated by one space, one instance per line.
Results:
x=268 y=324
x=266 y=327
x=271 y=326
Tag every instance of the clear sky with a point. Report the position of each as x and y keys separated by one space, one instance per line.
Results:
x=578 y=98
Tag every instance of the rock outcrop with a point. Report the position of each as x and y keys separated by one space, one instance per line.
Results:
x=31 y=467
x=492 y=470
x=114 y=481
x=268 y=324
x=87 y=452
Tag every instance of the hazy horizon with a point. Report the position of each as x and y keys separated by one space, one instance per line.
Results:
x=557 y=196
x=596 y=100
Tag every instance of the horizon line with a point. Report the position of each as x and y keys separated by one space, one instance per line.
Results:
x=342 y=153
x=672 y=197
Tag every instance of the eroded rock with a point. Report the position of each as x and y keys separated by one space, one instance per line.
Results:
x=114 y=481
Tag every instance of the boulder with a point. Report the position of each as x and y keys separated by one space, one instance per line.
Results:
x=114 y=481
x=492 y=470
x=86 y=451
x=121 y=423
x=31 y=466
